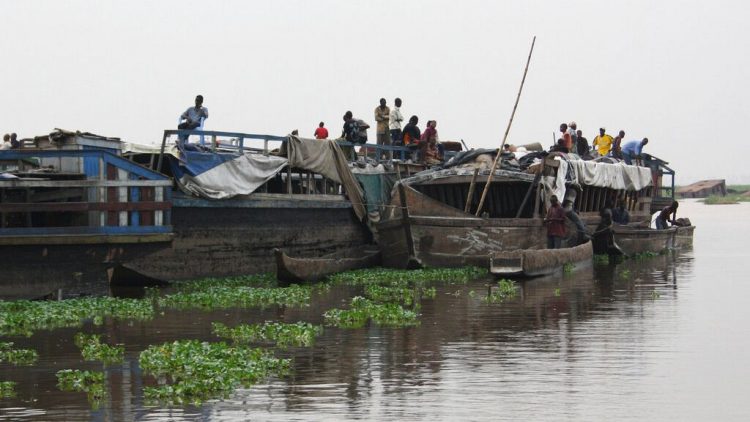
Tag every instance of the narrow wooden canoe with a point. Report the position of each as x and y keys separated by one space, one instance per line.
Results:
x=537 y=262
x=301 y=270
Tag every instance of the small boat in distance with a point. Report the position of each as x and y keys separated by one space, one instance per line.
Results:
x=303 y=270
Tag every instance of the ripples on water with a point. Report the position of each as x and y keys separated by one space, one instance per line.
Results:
x=658 y=339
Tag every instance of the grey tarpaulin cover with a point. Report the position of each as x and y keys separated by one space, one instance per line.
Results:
x=326 y=158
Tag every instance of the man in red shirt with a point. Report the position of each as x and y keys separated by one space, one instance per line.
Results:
x=321 y=132
x=555 y=224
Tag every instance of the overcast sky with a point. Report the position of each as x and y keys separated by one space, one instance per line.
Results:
x=674 y=71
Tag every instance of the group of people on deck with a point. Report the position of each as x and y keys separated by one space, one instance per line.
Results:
x=391 y=131
x=10 y=141
x=604 y=145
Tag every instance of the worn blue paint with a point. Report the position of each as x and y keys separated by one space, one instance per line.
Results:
x=135 y=196
x=108 y=157
x=42 y=231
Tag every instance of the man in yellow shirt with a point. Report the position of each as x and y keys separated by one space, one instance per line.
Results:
x=602 y=143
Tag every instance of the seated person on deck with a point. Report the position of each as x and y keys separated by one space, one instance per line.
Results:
x=192 y=117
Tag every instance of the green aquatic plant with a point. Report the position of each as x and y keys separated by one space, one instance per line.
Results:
x=601 y=259
x=399 y=294
x=625 y=274
x=505 y=289
x=89 y=382
x=362 y=310
x=92 y=349
x=557 y=292
x=255 y=280
x=190 y=371
x=299 y=334
x=17 y=356
x=386 y=276
x=7 y=389
x=23 y=317
x=568 y=268
x=221 y=297
x=655 y=294
x=645 y=255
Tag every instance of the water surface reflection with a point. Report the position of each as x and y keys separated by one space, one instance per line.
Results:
x=637 y=340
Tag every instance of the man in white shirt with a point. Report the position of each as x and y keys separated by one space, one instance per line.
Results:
x=395 y=123
x=192 y=117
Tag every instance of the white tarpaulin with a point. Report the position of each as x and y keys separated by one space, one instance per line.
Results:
x=240 y=176
x=590 y=173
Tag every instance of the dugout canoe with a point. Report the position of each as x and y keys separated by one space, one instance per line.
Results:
x=538 y=262
x=290 y=270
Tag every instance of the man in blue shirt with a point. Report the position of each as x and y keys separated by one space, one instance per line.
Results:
x=632 y=150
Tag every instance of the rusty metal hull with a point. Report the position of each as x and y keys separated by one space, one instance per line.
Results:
x=37 y=270
x=429 y=233
x=237 y=237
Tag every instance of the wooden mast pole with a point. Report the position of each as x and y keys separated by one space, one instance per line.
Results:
x=505 y=137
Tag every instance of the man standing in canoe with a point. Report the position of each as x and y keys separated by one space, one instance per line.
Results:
x=555 y=224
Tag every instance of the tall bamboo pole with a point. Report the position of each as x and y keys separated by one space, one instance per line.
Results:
x=505 y=137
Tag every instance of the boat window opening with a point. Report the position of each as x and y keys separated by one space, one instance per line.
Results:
x=503 y=199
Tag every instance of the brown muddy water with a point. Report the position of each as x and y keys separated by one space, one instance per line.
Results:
x=664 y=338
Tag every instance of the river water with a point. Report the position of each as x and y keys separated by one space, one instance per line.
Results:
x=664 y=338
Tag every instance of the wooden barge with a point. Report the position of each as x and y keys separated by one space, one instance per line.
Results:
x=66 y=227
x=432 y=218
x=85 y=214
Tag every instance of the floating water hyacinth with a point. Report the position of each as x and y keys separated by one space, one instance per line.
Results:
x=89 y=382
x=23 y=317
x=398 y=294
x=506 y=289
x=220 y=297
x=92 y=349
x=17 y=356
x=385 y=276
x=601 y=259
x=363 y=310
x=199 y=371
x=299 y=334
x=7 y=389
x=256 y=280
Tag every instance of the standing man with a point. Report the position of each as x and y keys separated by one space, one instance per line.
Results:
x=14 y=142
x=555 y=224
x=567 y=140
x=633 y=149
x=6 y=142
x=602 y=143
x=573 y=131
x=192 y=117
x=321 y=132
x=582 y=144
x=382 y=117
x=617 y=145
x=395 y=123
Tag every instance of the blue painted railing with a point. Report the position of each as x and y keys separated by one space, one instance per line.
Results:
x=119 y=197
